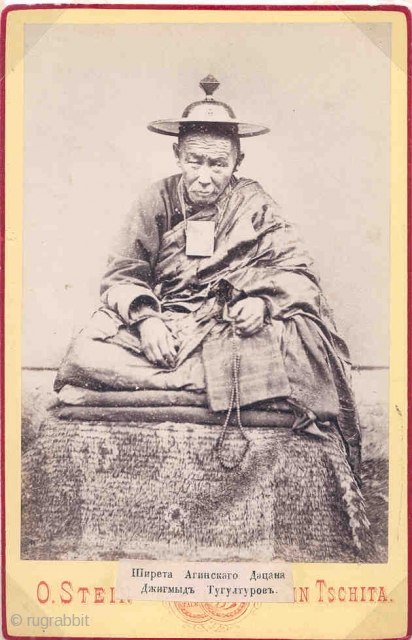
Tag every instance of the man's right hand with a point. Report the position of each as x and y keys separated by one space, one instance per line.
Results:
x=157 y=342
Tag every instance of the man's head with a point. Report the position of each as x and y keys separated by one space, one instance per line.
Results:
x=208 y=157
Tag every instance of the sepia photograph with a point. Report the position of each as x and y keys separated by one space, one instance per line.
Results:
x=205 y=307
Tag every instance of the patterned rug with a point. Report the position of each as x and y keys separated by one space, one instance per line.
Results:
x=102 y=491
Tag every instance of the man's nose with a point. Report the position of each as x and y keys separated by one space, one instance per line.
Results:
x=204 y=175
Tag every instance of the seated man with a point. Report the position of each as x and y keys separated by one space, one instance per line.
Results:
x=209 y=289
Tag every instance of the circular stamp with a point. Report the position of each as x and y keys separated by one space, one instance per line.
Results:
x=225 y=611
x=190 y=612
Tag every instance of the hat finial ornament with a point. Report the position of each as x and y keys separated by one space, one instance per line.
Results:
x=209 y=86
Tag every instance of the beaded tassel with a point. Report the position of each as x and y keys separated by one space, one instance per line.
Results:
x=234 y=401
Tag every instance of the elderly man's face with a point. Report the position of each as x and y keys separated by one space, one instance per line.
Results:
x=207 y=162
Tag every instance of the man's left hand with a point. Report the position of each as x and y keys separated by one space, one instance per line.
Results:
x=248 y=316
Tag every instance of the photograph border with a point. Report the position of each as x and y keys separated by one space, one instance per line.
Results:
x=272 y=8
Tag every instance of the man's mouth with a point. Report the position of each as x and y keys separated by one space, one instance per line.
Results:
x=202 y=194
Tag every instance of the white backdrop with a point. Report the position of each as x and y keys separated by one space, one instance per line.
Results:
x=324 y=90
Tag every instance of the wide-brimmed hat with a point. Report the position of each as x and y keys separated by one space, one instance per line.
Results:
x=208 y=112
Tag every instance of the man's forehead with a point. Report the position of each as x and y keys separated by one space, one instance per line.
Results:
x=207 y=143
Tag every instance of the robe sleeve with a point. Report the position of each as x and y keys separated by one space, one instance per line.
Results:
x=273 y=263
x=127 y=283
x=277 y=266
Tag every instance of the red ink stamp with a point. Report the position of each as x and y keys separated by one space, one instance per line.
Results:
x=200 y=613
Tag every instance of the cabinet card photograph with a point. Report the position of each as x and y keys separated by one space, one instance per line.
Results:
x=205 y=322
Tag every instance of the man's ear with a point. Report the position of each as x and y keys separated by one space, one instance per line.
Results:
x=176 y=151
x=239 y=160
